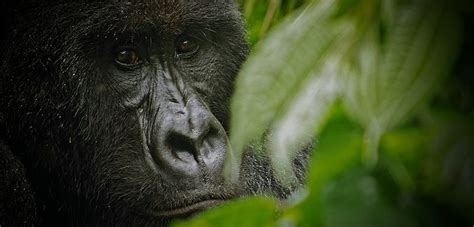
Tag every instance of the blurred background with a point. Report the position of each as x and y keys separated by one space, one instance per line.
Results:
x=384 y=87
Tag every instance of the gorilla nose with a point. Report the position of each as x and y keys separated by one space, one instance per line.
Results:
x=192 y=142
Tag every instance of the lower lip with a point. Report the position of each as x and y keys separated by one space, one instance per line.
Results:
x=183 y=211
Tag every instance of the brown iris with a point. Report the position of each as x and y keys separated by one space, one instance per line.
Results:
x=186 y=46
x=127 y=57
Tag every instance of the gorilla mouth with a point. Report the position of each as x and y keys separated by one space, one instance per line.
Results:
x=190 y=209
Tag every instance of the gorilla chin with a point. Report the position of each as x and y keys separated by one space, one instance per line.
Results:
x=117 y=112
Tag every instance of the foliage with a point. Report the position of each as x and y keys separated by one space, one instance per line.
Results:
x=360 y=77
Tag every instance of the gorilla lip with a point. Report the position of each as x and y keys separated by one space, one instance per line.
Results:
x=189 y=209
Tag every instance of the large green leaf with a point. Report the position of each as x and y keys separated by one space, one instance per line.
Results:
x=278 y=70
x=339 y=146
x=391 y=77
x=249 y=212
x=305 y=115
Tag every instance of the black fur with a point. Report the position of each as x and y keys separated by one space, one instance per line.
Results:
x=71 y=144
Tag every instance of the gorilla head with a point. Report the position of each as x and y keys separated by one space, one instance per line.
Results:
x=118 y=110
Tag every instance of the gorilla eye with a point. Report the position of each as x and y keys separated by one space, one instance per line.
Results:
x=127 y=58
x=186 y=47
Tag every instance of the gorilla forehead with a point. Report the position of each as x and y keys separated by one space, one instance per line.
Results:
x=75 y=20
x=167 y=13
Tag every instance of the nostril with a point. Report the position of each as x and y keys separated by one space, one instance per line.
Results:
x=181 y=146
x=191 y=152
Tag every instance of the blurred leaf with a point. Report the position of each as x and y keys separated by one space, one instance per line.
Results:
x=337 y=147
x=406 y=141
x=278 y=70
x=256 y=11
x=306 y=114
x=386 y=58
x=340 y=144
x=356 y=199
x=404 y=148
x=344 y=6
x=419 y=51
x=256 y=211
x=249 y=7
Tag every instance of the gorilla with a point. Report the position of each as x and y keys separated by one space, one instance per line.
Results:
x=116 y=112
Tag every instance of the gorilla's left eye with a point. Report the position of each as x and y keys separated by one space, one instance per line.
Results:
x=127 y=57
x=186 y=46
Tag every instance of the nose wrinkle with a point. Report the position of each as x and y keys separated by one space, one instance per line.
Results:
x=180 y=133
x=175 y=84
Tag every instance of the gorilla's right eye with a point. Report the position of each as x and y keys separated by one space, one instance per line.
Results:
x=127 y=57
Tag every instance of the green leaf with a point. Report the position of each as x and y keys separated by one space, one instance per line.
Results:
x=345 y=6
x=278 y=70
x=389 y=80
x=297 y=127
x=356 y=199
x=338 y=149
x=254 y=211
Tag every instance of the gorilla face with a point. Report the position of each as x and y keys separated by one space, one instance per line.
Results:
x=119 y=110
